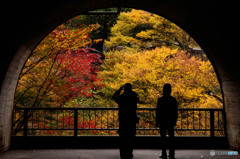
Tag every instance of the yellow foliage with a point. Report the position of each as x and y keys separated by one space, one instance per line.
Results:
x=141 y=29
x=191 y=78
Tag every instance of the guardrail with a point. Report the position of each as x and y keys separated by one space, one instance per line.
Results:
x=104 y=121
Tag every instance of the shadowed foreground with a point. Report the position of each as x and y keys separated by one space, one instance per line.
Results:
x=106 y=154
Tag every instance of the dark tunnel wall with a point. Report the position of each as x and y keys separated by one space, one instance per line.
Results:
x=213 y=25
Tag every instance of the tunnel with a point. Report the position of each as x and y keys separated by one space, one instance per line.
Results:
x=212 y=24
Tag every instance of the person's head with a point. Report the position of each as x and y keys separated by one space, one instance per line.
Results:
x=127 y=87
x=167 y=89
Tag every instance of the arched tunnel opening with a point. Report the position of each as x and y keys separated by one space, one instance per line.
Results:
x=66 y=85
x=228 y=79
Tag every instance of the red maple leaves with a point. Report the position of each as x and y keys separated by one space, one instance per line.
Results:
x=79 y=69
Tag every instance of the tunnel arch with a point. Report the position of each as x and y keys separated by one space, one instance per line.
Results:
x=191 y=17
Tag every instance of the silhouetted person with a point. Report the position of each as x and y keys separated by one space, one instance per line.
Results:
x=127 y=102
x=166 y=116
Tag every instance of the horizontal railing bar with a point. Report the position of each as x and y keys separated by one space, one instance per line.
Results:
x=95 y=108
x=136 y=129
x=118 y=129
x=73 y=129
x=75 y=108
x=201 y=109
x=180 y=129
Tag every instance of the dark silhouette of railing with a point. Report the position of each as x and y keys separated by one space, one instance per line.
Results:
x=104 y=121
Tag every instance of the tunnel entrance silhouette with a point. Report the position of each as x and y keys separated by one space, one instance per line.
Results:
x=206 y=34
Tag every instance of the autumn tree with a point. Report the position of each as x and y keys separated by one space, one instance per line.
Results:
x=61 y=67
x=141 y=29
x=57 y=63
x=191 y=78
x=104 y=21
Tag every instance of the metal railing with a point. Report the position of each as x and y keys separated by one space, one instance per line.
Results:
x=104 y=121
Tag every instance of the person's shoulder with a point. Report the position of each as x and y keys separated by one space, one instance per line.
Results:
x=172 y=97
x=160 y=98
x=133 y=92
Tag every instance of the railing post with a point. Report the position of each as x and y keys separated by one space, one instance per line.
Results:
x=75 y=122
x=212 y=123
x=25 y=122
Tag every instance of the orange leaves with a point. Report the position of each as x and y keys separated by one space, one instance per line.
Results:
x=64 y=38
x=59 y=68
